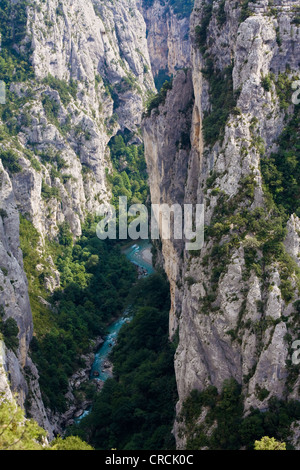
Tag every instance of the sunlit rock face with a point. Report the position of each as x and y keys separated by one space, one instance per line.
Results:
x=233 y=320
x=100 y=49
x=232 y=317
x=168 y=37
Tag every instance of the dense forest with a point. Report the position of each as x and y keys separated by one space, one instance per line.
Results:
x=129 y=177
x=95 y=281
x=136 y=408
x=225 y=427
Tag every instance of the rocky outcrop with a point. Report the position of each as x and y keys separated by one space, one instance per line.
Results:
x=15 y=304
x=109 y=64
x=231 y=311
x=168 y=37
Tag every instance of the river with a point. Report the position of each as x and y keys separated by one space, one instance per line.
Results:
x=138 y=253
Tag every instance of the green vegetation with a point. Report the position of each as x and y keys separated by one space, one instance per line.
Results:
x=223 y=100
x=66 y=90
x=14 y=65
x=18 y=433
x=3 y=213
x=245 y=9
x=155 y=101
x=232 y=430
x=267 y=83
x=51 y=108
x=9 y=331
x=95 y=280
x=260 y=231
x=269 y=443
x=296 y=20
x=135 y=409
x=69 y=443
x=10 y=161
x=284 y=89
x=129 y=82
x=49 y=192
x=29 y=242
x=129 y=177
x=281 y=171
x=222 y=96
x=201 y=30
x=53 y=157
x=14 y=114
x=221 y=16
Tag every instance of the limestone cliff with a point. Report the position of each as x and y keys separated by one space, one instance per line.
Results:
x=167 y=35
x=234 y=302
x=90 y=69
x=88 y=75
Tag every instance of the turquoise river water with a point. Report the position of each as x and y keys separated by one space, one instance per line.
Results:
x=137 y=253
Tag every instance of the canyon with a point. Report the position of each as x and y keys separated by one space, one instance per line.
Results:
x=95 y=66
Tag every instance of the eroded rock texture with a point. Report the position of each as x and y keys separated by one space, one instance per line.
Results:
x=234 y=315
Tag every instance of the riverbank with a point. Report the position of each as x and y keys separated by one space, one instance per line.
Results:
x=136 y=407
x=76 y=395
x=101 y=368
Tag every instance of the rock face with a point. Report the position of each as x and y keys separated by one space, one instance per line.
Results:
x=91 y=72
x=92 y=65
x=233 y=308
x=15 y=304
x=110 y=66
x=168 y=37
x=234 y=319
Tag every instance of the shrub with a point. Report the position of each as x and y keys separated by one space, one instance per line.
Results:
x=49 y=192
x=3 y=213
x=266 y=83
x=201 y=30
x=10 y=161
x=66 y=90
x=160 y=98
x=223 y=101
x=10 y=331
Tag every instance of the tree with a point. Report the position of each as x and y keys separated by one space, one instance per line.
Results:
x=16 y=432
x=19 y=433
x=269 y=443
x=70 y=443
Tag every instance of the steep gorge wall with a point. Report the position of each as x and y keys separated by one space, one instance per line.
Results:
x=235 y=324
x=234 y=316
x=91 y=69
x=57 y=135
x=167 y=36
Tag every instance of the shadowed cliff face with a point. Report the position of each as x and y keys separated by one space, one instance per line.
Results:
x=234 y=301
x=89 y=73
x=167 y=36
x=210 y=143
x=82 y=73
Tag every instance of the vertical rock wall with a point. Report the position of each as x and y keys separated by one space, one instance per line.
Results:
x=234 y=319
